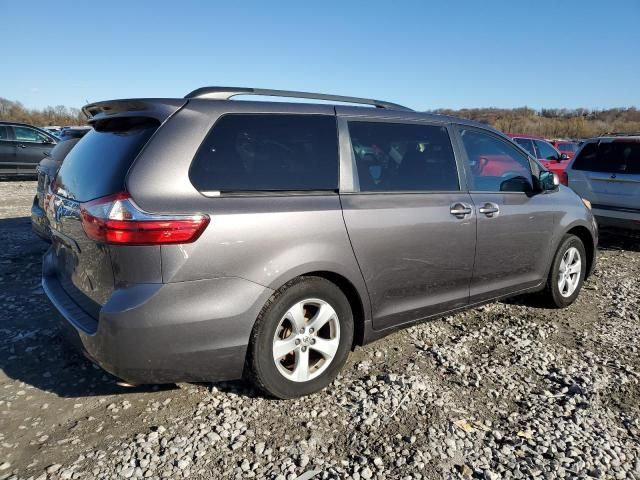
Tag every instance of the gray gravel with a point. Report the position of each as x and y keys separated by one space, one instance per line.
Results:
x=507 y=390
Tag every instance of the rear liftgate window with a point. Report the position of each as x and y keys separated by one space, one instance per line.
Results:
x=98 y=164
x=245 y=153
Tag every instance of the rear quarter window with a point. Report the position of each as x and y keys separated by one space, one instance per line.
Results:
x=245 y=153
x=587 y=158
x=98 y=164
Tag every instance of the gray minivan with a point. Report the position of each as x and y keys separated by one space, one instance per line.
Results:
x=205 y=238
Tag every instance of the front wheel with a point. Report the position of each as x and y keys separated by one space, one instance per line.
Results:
x=567 y=273
x=301 y=338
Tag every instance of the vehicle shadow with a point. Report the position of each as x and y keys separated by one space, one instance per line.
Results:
x=615 y=239
x=33 y=347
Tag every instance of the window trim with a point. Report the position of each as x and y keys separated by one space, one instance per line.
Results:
x=265 y=193
x=351 y=185
x=465 y=158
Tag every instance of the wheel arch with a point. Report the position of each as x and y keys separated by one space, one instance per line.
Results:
x=354 y=298
x=585 y=236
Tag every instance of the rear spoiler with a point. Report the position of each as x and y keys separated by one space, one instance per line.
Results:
x=157 y=108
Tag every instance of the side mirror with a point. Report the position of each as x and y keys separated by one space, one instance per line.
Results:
x=47 y=140
x=548 y=181
x=564 y=156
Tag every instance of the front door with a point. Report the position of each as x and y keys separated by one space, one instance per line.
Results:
x=411 y=226
x=31 y=147
x=515 y=225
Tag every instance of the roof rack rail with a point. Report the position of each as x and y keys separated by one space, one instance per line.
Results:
x=621 y=134
x=225 y=93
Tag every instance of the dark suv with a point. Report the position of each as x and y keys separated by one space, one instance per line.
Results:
x=46 y=171
x=22 y=147
x=226 y=238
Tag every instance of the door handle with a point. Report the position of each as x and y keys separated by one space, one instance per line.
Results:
x=460 y=210
x=489 y=209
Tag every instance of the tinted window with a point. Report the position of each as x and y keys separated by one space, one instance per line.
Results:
x=25 y=134
x=527 y=144
x=495 y=165
x=610 y=157
x=268 y=153
x=97 y=164
x=568 y=147
x=587 y=157
x=545 y=151
x=403 y=157
x=4 y=132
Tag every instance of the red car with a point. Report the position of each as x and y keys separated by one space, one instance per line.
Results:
x=566 y=147
x=547 y=154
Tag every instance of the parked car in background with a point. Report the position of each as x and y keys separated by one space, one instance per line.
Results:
x=201 y=238
x=53 y=129
x=47 y=170
x=606 y=171
x=73 y=132
x=22 y=147
x=551 y=159
x=569 y=148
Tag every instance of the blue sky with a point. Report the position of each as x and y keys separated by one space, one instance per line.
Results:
x=424 y=54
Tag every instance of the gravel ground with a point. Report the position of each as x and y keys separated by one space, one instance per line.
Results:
x=502 y=391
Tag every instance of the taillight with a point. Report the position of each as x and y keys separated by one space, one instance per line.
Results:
x=564 y=178
x=116 y=219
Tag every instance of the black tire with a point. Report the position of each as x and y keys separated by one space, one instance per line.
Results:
x=261 y=367
x=551 y=295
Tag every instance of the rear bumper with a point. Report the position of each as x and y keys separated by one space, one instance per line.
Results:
x=165 y=333
x=623 y=219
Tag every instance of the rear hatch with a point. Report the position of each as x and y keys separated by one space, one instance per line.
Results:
x=95 y=168
x=607 y=173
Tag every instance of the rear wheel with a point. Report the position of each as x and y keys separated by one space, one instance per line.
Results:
x=301 y=338
x=567 y=273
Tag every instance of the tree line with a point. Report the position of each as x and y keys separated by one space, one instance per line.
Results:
x=554 y=122
x=547 y=122
x=11 y=111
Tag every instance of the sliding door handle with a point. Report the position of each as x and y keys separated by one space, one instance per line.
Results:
x=489 y=209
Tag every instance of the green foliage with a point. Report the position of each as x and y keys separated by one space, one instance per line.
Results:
x=554 y=122
x=59 y=115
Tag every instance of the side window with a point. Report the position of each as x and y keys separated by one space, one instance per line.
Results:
x=527 y=144
x=397 y=157
x=618 y=157
x=26 y=134
x=587 y=158
x=494 y=164
x=268 y=153
x=4 y=132
x=546 y=151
